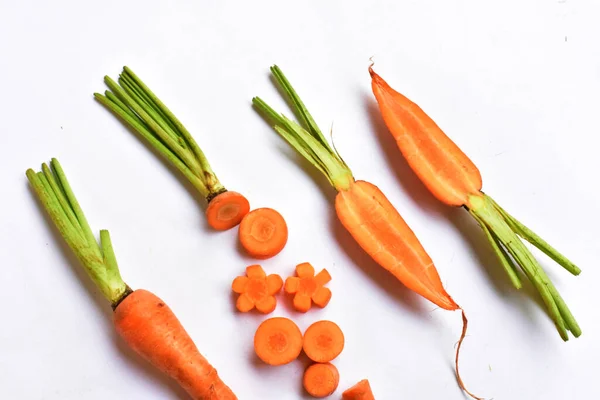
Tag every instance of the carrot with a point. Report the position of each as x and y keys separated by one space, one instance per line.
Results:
x=321 y=380
x=360 y=391
x=323 y=341
x=455 y=180
x=138 y=107
x=278 y=341
x=362 y=208
x=256 y=289
x=263 y=233
x=142 y=319
x=308 y=288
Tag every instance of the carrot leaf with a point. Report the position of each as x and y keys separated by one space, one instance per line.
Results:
x=56 y=196
x=305 y=137
x=134 y=103
x=504 y=231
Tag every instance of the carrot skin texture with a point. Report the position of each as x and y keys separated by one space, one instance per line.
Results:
x=382 y=232
x=152 y=330
x=440 y=164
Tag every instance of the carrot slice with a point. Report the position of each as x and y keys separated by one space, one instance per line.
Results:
x=360 y=391
x=257 y=290
x=321 y=380
x=278 y=341
x=226 y=210
x=323 y=341
x=308 y=288
x=263 y=233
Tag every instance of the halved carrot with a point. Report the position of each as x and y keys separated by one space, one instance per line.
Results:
x=136 y=105
x=362 y=208
x=323 y=341
x=257 y=290
x=308 y=288
x=360 y=391
x=263 y=233
x=455 y=180
x=321 y=380
x=142 y=320
x=278 y=341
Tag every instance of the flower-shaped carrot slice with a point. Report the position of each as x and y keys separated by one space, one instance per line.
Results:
x=308 y=288
x=257 y=290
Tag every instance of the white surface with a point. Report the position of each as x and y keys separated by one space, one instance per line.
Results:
x=514 y=83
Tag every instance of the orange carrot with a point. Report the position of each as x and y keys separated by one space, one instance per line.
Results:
x=455 y=180
x=360 y=391
x=308 y=288
x=278 y=341
x=263 y=233
x=362 y=208
x=323 y=341
x=321 y=380
x=136 y=105
x=142 y=319
x=150 y=328
x=256 y=289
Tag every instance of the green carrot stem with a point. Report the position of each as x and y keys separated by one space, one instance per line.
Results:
x=60 y=203
x=138 y=126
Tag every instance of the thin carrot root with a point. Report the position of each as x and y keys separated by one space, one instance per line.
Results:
x=278 y=341
x=144 y=321
x=321 y=380
x=323 y=341
x=460 y=341
x=226 y=210
x=263 y=233
x=360 y=391
x=308 y=288
x=257 y=290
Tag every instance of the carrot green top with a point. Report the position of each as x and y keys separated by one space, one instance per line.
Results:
x=55 y=194
x=138 y=106
x=306 y=137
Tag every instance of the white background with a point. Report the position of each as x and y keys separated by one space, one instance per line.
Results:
x=515 y=83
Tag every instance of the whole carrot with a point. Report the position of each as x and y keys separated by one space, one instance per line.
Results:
x=362 y=208
x=142 y=319
x=455 y=180
x=136 y=105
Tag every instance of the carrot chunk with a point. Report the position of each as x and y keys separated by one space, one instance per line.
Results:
x=360 y=391
x=227 y=210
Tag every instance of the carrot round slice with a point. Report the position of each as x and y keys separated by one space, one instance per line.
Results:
x=321 y=380
x=227 y=210
x=278 y=341
x=263 y=233
x=323 y=341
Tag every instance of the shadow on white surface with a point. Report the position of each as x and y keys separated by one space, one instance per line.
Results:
x=104 y=308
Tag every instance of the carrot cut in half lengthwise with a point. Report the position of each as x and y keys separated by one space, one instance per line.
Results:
x=142 y=319
x=138 y=107
x=362 y=208
x=455 y=180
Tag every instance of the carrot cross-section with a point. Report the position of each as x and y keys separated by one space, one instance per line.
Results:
x=257 y=290
x=308 y=288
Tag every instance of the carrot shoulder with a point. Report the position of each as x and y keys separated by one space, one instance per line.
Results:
x=143 y=320
x=137 y=106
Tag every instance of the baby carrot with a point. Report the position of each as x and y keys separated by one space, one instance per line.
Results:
x=323 y=341
x=360 y=391
x=136 y=105
x=455 y=180
x=362 y=208
x=141 y=319
x=278 y=341
x=263 y=233
x=321 y=380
